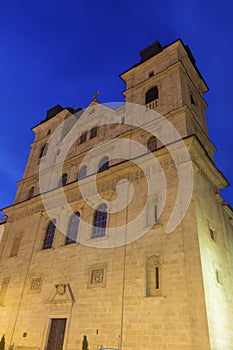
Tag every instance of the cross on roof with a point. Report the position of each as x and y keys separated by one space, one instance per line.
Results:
x=96 y=94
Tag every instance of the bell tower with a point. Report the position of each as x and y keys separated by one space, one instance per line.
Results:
x=168 y=81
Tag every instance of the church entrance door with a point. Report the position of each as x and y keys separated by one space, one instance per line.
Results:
x=56 y=334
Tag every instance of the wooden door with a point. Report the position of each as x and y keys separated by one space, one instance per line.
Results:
x=56 y=334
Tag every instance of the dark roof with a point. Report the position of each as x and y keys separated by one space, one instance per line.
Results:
x=150 y=51
x=52 y=112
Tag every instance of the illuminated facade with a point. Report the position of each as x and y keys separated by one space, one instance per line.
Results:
x=170 y=291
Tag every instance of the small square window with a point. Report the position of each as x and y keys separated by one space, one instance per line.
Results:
x=151 y=74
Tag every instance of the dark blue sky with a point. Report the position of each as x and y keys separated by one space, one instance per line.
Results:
x=62 y=51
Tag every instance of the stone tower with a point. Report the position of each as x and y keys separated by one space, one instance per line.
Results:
x=162 y=290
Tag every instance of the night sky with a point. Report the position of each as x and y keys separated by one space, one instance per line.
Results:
x=63 y=51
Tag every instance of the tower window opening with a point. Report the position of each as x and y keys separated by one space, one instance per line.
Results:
x=83 y=137
x=151 y=95
x=31 y=192
x=44 y=150
x=192 y=100
x=94 y=131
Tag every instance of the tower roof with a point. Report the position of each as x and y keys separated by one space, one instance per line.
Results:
x=155 y=48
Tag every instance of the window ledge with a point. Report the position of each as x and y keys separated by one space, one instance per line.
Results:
x=150 y=299
x=75 y=244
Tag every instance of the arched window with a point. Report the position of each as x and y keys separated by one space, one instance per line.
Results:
x=73 y=229
x=82 y=172
x=153 y=276
x=44 y=150
x=31 y=192
x=64 y=179
x=100 y=221
x=103 y=164
x=152 y=143
x=152 y=95
x=48 y=241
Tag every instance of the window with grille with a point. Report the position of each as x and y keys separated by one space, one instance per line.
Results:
x=48 y=241
x=103 y=164
x=72 y=234
x=82 y=172
x=100 y=221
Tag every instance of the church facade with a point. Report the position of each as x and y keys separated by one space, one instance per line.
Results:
x=71 y=268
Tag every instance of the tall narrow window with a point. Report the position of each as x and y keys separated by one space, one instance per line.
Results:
x=156 y=277
x=64 y=179
x=192 y=100
x=153 y=272
x=82 y=172
x=73 y=229
x=94 y=131
x=151 y=95
x=152 y=143
x=44 y=150
x=212 y=234
x=103 y=164
x=48 y=241
x=3 y=290
x=151 y=211
x=155 y=212
x=16 y=245
x=218 y=275
x=100 y=221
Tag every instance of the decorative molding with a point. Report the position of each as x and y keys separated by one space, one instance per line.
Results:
x=97 y=276
x=61 y=298
x=36 y=284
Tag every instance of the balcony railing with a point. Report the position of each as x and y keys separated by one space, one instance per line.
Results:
x=152 y=105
